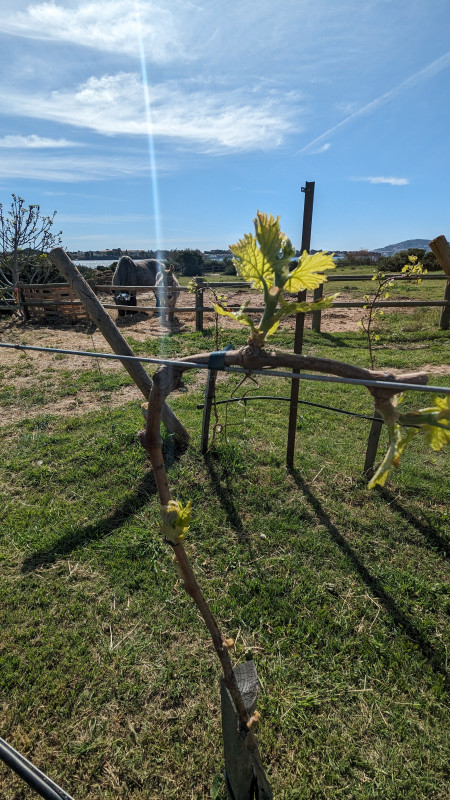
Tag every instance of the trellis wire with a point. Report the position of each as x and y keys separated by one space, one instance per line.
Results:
x=235 y=370
x=250 y=397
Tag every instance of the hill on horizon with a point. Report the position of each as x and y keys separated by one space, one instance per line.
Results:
x=391 y=249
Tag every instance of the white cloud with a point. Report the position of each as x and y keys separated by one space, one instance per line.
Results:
x=114 y=26
x=211 y=120
x=34 y=142
x=381 y=179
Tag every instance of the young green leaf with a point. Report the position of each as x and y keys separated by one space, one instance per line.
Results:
x=307 y=274
x=175 y=520
x=251 y=263
x=239 y=315
x=433 y=421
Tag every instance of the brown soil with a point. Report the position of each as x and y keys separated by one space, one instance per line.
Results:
x=32 y=367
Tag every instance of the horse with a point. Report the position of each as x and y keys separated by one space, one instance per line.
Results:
x=149 y=272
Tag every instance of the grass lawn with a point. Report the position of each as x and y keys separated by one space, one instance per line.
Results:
x=108 y=681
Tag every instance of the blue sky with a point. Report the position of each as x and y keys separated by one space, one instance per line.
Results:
x=169 y=124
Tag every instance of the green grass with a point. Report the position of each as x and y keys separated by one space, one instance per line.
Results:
x=55 y=385
x=108 y=680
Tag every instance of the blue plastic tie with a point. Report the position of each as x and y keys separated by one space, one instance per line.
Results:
x=217 y=359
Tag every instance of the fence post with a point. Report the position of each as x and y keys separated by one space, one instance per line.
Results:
x=209 y=397
x=308 y=189
x=199 y=304
x=441 y=250
x=317 y=315
x=22 y=303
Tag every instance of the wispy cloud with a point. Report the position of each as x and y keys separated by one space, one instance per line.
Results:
x=112 y=27
x=381 y=179
x=72 y=169
x=322 y=149
x=34 y=142
x=213 y=119
x=427 y=72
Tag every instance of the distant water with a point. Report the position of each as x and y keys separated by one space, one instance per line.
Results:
x=93 y=264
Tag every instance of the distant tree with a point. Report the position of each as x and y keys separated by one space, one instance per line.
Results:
x=228 y=267
x=358 y=258
x=429 y=262
x=190 y=262
x=396 y=262
x=25 y=238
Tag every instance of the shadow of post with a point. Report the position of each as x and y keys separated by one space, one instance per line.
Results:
x=225 y=496
x=399 y=617
x=108 y=524
x=432 y=536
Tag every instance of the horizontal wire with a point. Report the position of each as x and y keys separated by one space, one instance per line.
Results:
x=250 y=397
x=247 y=398
x=235 y=370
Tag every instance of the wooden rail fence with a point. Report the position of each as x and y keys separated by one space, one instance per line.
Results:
x=57 y=299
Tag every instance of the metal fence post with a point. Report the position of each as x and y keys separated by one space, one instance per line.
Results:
x=210 y=390
x=308 y=189
x=317 y=315
x=199 y=304
x=372 y=445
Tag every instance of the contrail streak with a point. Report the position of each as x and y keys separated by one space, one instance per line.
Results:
x=427 y=72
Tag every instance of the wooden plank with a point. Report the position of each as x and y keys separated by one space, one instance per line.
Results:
x=108 y=287
x=430 y=276
x=43 y=300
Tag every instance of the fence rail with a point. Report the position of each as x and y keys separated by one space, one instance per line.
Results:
x=38 y=300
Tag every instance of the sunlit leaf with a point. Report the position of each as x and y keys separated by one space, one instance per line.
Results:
x=275 y=246
x=433 y=421
x=308 y=273
x=250 y=262
x=273 y=243
x=239 y=315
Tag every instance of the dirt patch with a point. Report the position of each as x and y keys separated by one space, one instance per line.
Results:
x=25 y=369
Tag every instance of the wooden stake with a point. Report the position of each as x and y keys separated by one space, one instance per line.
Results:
x=441 y=250
x=165 y=380
x=112 y=335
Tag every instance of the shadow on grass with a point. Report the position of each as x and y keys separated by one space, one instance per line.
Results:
x=373 y=583
x=108 y=524
x=432 y=536
x=338 y=341
x=225 y=495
